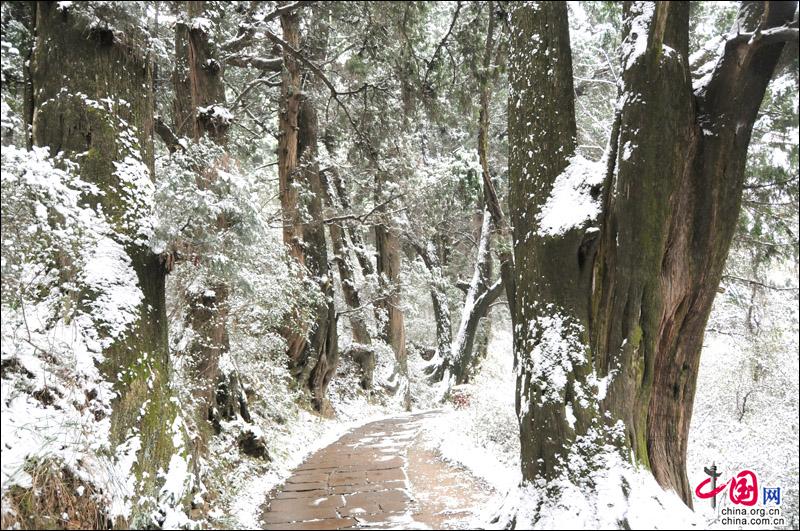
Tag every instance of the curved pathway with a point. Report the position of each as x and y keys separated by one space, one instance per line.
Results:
x=377 y=476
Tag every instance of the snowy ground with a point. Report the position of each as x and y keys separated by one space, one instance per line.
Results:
x=289 y=445
x=482 y=435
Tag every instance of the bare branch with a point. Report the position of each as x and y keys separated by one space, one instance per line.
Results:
x=759 y=37
x=432 y=61
x=362 y=218
x=760 y=284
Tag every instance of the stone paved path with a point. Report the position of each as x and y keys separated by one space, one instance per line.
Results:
x=377 y=476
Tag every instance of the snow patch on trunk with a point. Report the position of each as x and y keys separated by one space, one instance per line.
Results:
x=571 y=202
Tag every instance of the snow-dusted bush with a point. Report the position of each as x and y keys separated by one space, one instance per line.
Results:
x=69 y=290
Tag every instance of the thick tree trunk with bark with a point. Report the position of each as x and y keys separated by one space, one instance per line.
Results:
x=295 y=332
x=99 y=112
x=321 y=354
x=361 y=351
x=199 y=98
x=313 y=361
x=388 y=249
x=610 y=313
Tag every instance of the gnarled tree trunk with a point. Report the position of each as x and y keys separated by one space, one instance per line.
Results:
x=199 y=90
x=312 y=361
x=621 y=302
x=295 y=332
x=455 y=356
x=321 y=353
x=389 y=258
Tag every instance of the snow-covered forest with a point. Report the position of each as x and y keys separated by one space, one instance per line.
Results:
x=323 y=265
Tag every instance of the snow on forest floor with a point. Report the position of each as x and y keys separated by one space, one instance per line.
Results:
x=477 y=430
x=289 y=445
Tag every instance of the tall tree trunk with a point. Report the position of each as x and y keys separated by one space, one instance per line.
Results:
x=199 y=97
x=623 y=301
x=388 y=247
x=295 y=333
x=361 y=351
x=313 y=362
x=321 y=354
x=441 y=309
x=98 y=111
x=460 y=356
x=454 y=362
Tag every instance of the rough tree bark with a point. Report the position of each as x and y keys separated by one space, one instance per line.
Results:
x=388 y=263
x=313 y=361
x=99 y=112
x=199 y=92
x=361 y=350
x=295 y=332
x=321 y=354
x=623 y=300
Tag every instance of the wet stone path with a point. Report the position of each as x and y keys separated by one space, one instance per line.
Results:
x=377 y=476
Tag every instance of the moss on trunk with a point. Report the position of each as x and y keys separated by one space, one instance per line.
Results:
x=633 y=297
x=99 y=111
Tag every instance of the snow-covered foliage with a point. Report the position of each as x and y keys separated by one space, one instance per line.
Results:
x=409 y=75
x=69 y=291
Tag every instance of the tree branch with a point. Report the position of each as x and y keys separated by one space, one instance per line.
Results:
x=334 y=92
x=362 y=217
x=167 y=135
x=432 y=61
x=251 y=61
x=244 y=38
x=760 y=284
x=759 y=37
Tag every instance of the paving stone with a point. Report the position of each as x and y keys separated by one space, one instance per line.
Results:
x=309 y=477
x=340 y=478
x=300 y=504
x=360 y=509
x=304 y=486
x=294 y=494
x=371 y=487
x=280 y=517
x=328 y=523
x=391 y=474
